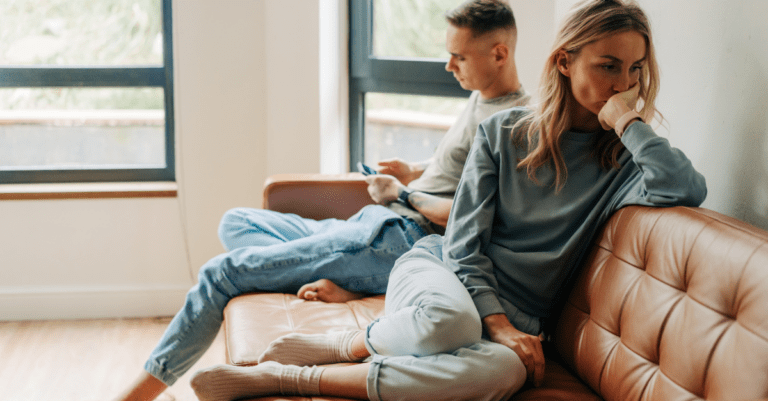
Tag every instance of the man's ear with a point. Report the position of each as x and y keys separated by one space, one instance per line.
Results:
x=501 y=53
x=563 y=62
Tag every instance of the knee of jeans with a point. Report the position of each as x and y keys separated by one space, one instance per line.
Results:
x=231 y=217
x=401 y=264
x=432 y=244
x=213 y=271
x=449 y=327
x=504 y=358
x=207 y=274
x=503 y=368
x=500 y=372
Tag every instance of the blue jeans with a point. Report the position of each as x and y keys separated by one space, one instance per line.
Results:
x=269 y=251
x=429 y=345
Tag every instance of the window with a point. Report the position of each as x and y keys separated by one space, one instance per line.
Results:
x=401 y=98
x=86 y=91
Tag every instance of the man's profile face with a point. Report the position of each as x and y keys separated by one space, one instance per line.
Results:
x=472 y=60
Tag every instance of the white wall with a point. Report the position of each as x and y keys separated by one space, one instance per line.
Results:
x=88 y=258
x=250 y=76
x=713 y=57
x=334 y=86
x=221 y=112
x=535 y=35
x=247 y=94
x=714 y=92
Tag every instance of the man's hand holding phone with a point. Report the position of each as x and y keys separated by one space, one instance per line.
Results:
x=366 y=170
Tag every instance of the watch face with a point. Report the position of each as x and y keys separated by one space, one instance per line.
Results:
x=403 y=197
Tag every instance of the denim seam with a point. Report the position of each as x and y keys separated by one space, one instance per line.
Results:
x=260 y=230
x=159 y=371
x=372 y=380
x=358 y=248
x=416 y=226
x=366 y=341
x=272 y=265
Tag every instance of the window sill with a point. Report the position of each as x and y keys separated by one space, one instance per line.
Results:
x=89 y=190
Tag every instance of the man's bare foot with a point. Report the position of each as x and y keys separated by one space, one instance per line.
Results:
x=145 y=387
x=326 y=291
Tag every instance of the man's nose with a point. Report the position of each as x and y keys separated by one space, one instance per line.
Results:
x=450 y=66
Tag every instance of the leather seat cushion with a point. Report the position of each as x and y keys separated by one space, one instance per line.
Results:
x=252 y=321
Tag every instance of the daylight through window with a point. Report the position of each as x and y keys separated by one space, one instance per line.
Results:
x=85 y=91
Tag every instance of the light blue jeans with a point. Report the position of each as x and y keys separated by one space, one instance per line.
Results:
x=269 y=251
x=429 y=344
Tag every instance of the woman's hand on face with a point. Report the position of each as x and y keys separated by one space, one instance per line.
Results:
x=617 y=106
x=526 y=346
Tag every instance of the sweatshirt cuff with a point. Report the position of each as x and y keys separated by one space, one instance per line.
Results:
x=488 y=304
x=636 y=135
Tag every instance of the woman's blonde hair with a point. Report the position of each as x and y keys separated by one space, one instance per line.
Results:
x=588 y=21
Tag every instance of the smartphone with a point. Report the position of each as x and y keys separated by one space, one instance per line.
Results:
x=365 y=169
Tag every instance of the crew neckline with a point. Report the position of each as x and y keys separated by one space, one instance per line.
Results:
x=501 y=99
x=579 y=136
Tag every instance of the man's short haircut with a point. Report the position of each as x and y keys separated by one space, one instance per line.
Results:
x=482 y=16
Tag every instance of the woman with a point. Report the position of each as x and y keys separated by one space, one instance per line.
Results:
x=464 y=313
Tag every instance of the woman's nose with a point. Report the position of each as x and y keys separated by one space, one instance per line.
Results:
x=624 y=82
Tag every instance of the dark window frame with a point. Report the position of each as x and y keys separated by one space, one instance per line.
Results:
x=94 y=77
x=368 y=73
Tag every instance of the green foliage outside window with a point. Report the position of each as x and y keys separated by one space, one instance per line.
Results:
x=103 y=33
x=412 y=29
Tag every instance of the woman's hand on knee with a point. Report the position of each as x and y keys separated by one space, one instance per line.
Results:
x=526 y=346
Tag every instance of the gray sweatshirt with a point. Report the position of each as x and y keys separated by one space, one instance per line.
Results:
x=512 y=241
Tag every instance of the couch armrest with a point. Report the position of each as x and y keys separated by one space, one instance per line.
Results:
x=317 y=196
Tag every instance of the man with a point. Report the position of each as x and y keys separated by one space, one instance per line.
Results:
x=336 y=260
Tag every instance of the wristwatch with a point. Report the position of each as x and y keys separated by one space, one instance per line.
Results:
x=405 y=192
x=621 y=124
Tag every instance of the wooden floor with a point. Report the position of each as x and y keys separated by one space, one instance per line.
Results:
x=84 y=360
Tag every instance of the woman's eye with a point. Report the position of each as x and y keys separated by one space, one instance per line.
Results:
x=609 y=67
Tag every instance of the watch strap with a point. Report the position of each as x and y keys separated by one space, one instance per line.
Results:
x=405 y=192
x=622 y=122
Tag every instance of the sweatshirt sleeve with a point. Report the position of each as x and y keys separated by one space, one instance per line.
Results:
x=470 y=225
x=665 y=176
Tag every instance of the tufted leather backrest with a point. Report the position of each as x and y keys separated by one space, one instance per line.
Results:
x=672 y=304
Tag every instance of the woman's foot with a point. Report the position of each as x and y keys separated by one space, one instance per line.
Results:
x=316 y=349
x=326 y=291
x=227 y=382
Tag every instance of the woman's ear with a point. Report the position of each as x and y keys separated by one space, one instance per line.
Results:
x=562 y=61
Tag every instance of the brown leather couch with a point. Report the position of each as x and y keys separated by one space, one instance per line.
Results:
x=671 y=304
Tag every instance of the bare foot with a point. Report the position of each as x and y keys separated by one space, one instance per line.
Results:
x=326 y=291
x=145 y=387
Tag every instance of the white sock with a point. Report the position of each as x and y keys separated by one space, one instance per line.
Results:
x=311 y=349
x=227 y=382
